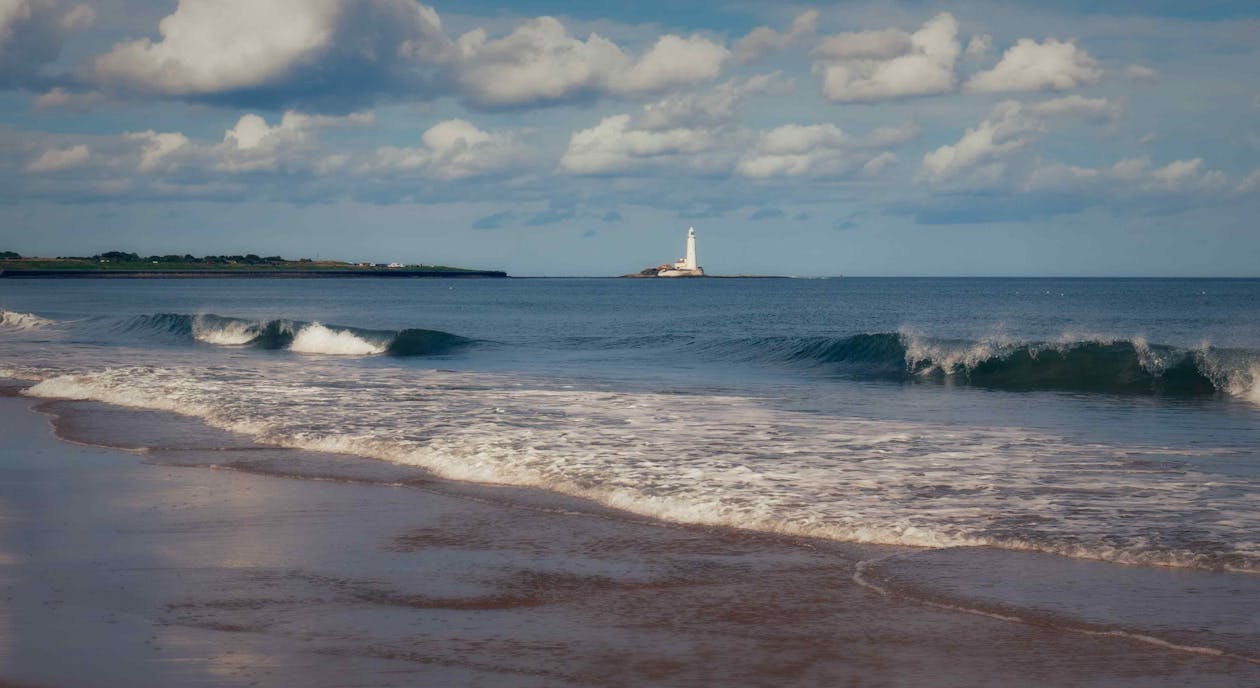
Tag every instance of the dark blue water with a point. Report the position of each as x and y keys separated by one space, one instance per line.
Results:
x=1108 y=419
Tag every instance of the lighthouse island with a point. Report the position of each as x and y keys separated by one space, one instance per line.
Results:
x=683 y=267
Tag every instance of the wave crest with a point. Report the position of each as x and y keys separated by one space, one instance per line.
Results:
x=23 y=321
x=297 y=336
x=1085 y=365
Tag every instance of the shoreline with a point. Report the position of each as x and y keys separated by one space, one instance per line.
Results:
x=286 y=567
x=248 y=274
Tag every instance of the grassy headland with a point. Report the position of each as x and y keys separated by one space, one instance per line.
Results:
x=124 y=264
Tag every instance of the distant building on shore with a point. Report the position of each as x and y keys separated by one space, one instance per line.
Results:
x=683 y=267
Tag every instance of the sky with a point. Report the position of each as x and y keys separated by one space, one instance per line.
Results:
x=584 y=138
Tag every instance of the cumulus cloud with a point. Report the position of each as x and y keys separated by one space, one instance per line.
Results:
x=889 y=63
x=674 y=61
x=58 y=159
x=1031 y=66
x=698 y=133
x=280 y=50
x=253 y=145
x=158 y=148
x=31 y=36
x=996 y=155
x=1011 y=126
x=822 y=150
x=795 y=150
x=1139 y=72
x=454 y=149
x=705 y=108
x=540 y=62
x=764 y=40
x=292 y=157
x=335 y=54
x=688 y=130
x=616 y=145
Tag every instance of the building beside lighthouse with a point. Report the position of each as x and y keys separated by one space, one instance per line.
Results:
x=685 y=266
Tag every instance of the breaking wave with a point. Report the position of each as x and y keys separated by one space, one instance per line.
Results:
x=22 y=321
x=1086 y=365
x=850 y=479
x=297 y=336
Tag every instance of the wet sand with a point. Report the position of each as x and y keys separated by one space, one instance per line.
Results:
x=282 y=568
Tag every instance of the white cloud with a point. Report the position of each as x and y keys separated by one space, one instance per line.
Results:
x=454 y=149
x=540 y=62
x=58 y=159
x=213 y=47
x=879 y=44
x=1032 y=66
x=764 y=40
x=1139 y=72
x=889 y=63
x=1007 y=128
x=822 y=150
x=1011 y=126
x=795 y=150
x=704 y=108
x=877 y=165
x=209 y=46
x=339 y=53
x=615 y=145
x=673 y=61
x=698 y=133
x=253 y=145
x=688 y=130
x=157 y=147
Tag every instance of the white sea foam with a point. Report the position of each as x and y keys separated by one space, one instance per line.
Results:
x=23 y=321
x=728 y=460
x=224 y=332
x=318 y=339
x=926 y=356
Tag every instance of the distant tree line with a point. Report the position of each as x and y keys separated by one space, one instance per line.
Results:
x=9 y=255
x=126 y=257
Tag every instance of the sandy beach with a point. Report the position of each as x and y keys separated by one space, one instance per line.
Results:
x=150 y=567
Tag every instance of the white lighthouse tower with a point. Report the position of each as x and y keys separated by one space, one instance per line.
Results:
x=685 y=266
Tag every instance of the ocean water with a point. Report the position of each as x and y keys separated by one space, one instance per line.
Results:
x=1110 y=420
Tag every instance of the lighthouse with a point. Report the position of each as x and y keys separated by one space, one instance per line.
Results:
x=687 y=266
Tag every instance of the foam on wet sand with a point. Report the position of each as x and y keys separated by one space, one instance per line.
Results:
x=295 y=568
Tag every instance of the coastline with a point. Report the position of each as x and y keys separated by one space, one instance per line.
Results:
x=200 y=557
x=250 y=274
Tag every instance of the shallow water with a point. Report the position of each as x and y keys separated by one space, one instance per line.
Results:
x=1114 y=420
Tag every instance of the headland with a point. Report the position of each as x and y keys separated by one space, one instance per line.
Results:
x=120 y=264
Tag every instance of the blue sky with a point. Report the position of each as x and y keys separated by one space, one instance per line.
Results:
x=567 y=138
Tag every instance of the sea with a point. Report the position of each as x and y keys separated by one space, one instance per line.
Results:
x=1092 y=420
